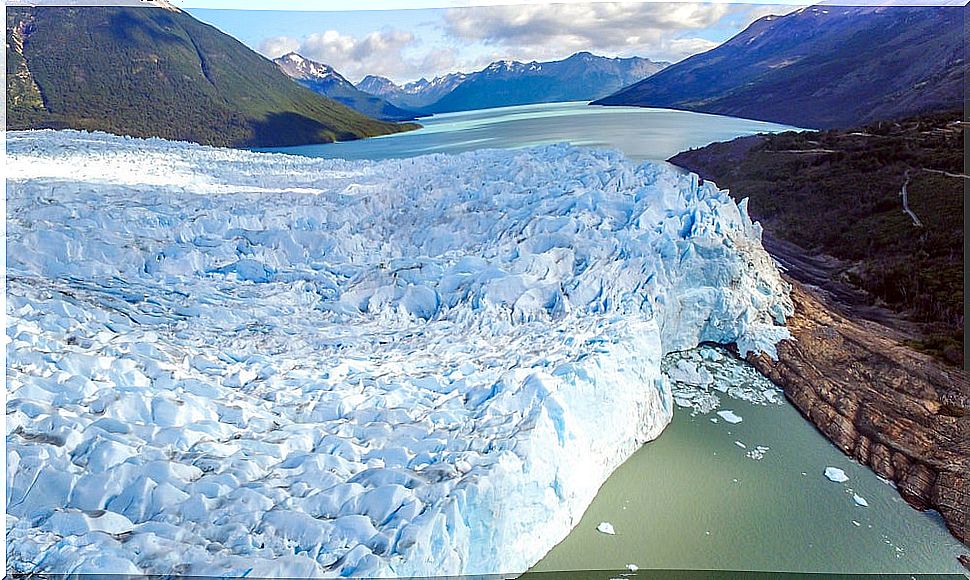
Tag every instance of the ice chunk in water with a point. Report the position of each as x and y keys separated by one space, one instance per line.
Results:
x=835 y=474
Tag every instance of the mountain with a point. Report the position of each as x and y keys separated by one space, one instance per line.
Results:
x=157 y=71
x=581 y=77
x=416 y=95
x=821 y=67
x=324 y=80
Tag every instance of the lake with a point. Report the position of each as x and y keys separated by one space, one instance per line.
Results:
x=642 y=134
x=694 y=499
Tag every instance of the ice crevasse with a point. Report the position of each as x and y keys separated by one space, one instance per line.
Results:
x=230 y=363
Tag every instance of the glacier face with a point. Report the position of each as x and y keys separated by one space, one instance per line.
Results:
x=231 y=363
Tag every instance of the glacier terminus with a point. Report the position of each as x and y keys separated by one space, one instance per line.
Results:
x=231 y=363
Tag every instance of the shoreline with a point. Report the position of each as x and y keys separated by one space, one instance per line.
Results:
x=852 y=368
x=884 y=404
x=696 y=498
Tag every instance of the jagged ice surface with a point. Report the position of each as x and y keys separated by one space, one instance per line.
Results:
x=229 y=363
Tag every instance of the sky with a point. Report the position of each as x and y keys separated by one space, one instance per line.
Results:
x=407 y=44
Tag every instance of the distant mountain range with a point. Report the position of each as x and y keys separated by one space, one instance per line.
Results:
x=581 y=77
x=156 y=71
x=821 y=67
x=323 y=79
x=417 y=95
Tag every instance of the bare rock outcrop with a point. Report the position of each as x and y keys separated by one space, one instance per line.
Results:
x=903 y=413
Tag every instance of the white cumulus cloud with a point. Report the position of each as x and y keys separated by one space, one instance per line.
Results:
x=647 y=28
x=380 y=53
x=468 y=38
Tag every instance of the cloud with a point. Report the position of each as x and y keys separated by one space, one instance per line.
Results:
x=469 y=38
x=380 y=53
x=680 y=48
x=658 y=30
x=278 y=46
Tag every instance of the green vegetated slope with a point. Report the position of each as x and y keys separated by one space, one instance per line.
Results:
x=158 y=72
x=838 y=192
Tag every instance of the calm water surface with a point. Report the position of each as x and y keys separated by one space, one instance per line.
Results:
x=692 y=499
x=642 y=134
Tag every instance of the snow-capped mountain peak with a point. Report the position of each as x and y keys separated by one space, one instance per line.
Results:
x=299 y=67
x=512 y=66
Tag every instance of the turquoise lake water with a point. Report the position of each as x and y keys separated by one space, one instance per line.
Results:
x=642 y=134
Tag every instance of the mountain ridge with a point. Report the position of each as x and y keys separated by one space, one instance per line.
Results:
x=415 y=94
x=323 y=79
x=821 y=67
x=580 y=77
x=156 y=71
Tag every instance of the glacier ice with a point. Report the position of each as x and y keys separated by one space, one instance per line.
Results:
x=700 y=377
x=231 y=363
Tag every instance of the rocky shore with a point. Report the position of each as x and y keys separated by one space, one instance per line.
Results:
x=877 y=343
x=901 y=412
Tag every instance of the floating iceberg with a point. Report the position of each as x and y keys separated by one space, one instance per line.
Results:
x=230 y=363
x=606 y=528
x=729 y=416
x=835 y=474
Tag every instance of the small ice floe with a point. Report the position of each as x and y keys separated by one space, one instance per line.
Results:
x=741 y=445
x=606 y=528
x=713 y=419
x=835 y=474
x=729 y=416
x=757 y=453
x=632 y=567
x=859 y=500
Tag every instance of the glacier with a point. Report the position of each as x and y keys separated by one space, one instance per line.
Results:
x=230 y=363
